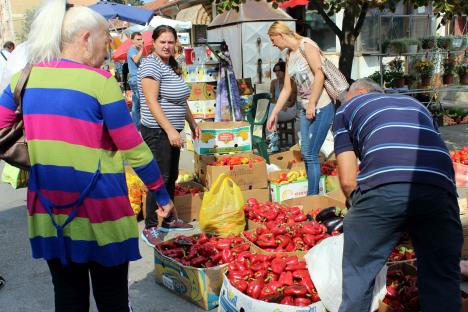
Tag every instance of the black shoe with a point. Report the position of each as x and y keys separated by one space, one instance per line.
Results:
x=2 y=282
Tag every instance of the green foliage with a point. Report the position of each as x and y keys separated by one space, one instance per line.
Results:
x=462 y=69
x=444 y=42
x=428 y=42
x=424 y=68
x=449 y=65
x=375 y=76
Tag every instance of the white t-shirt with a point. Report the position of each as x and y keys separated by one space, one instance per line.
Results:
x=16 y=61
x=4 y=55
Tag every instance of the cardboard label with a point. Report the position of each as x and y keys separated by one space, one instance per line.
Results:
x=223 y=137
x=201 y=91
x=288 y=191
x=203 y=109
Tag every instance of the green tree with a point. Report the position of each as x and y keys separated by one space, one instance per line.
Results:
x=354 y=15
x=131 y=2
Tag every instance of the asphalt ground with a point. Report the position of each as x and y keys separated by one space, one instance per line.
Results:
x=29 y=288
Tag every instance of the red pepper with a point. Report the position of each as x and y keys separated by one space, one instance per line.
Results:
x=335 y=233
x=251 y=236
x=279 y=229
x=312 y=227
x=198 y=261
x=290 y=247
x=278 y=265
x=301 y=265
x=257 y=266
x=302 y=302
x=289 y=300
x=309 y=239
x=295 y=210
x=260 y=274
x=215 y=258
x=254 y=289
x=241 y=285
x=270 y=215
x=184 y=262
x=224 y=243
x=286 y=278
x=174 y=253
x=266 y=240
x=314 y=297
x=203 y=238
x=295 y=290
x=227 y=256
x=283 y=241
x=271 y=277
x=271 y=292
x=300 y=217
x=242 y=247
x=292 y=260
x=298 y=243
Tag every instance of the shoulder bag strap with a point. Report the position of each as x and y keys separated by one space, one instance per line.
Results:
x=23 y=79
x=3 y=55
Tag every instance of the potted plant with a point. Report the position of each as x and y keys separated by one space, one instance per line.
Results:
x=411 y=45
x=457 y=42
x=463 y=73
x=375 y=76
x=394 y=76
x=397 y=46
x=424 y=68
x=428 y=42
x=444 y=42
x=449 y=69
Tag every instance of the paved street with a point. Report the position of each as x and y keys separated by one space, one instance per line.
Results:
x=28 y=285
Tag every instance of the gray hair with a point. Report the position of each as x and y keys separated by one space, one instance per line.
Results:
x=367 y=84
x=54 y=26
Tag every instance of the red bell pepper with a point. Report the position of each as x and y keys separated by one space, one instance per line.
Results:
x=255 y=288
x=279 y=229
x=227 y=256
x=266 y=240
x=292 y=260
x=198 y=261
x=241 y=285
x=260 y=274
x=283 y=241
x=286 y=278
x=289 y=300
x=309 y=239
x=270 y=276
x=251 y=236
x=301 y=265
x=278 y=265
x=302 y=302
x=312 y=228
x=224 y=243
x=298 y=243
x=300 y=217
x=295 y=290
x=290 y=247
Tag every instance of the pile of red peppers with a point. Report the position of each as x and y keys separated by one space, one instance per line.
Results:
x=265 y=212
x=273 y=278
x=203 y=251
x=402 y=291
x=284 y=237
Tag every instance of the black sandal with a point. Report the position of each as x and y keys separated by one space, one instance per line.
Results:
x=2 y=282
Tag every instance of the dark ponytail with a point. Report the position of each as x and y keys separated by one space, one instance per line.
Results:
x=172 y=61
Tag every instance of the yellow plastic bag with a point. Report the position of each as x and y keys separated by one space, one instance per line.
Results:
x=222 y=209
x=136 y=189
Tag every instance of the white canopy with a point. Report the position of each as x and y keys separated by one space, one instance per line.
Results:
x=178 y=25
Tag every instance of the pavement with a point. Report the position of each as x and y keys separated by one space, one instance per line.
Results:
x=29 y=288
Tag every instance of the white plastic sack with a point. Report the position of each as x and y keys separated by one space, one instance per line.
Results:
x=324 y=262
x=328 y=145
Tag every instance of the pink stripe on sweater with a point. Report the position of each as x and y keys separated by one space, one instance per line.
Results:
x=7 y=117
x=70 y=64
x=126 y=137
x=96 y=210
x=67 y=129
x=156 y=184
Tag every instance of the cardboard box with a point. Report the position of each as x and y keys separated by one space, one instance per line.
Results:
x=247 y=177
x=461 y=174
x=201 y=73
x=202 y=91
x=309 y=203
x=287 y=191
x=285 y=160
x=188 y=206
x=200 y=286
x=261 y=195
x=202 y=109
x=223 y=137
x=231 y=299
x=338 y=195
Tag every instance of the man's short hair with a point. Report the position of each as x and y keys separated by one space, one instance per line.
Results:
x=9 y=45
x=134 y=34
x=366 y=83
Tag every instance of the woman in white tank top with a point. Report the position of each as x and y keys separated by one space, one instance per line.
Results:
x=303 y=65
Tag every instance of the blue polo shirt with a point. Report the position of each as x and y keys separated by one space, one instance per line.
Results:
x=396 y=140
x=132 y=66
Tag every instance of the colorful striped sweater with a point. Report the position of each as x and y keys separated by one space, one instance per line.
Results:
x=75 y=118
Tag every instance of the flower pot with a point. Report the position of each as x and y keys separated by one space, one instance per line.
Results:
x=412 y=49
x=447 y=79
x=464 y=80
x=428 y=45
x=399 y=83
x=425 y=81
x=457 y=43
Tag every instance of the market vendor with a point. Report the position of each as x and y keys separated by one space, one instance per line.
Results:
x=406 y=180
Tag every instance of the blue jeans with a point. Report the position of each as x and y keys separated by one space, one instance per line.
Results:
x=135 y=103
x=313 y=134
x=373 y=226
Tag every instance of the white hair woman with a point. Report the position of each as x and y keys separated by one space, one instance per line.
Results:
x=79 y=132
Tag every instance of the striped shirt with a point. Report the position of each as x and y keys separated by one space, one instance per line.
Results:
x=173 y=93
x=396 y=140
x=74 y=118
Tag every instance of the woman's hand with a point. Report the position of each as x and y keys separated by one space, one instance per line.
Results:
x=310 y=111
x=174 y=138
x=195 y=130
x=164 y=211
x=271 y=123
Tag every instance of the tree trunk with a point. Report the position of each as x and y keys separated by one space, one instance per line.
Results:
x=347 y=41
x=346 y=59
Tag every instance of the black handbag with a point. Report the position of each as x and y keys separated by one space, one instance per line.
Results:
x=13 y=145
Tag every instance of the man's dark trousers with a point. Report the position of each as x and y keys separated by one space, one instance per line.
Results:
x=374 y=225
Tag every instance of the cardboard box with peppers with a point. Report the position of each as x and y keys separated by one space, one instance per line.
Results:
x=193 y=266
x=460 y=165
x=258 y=282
